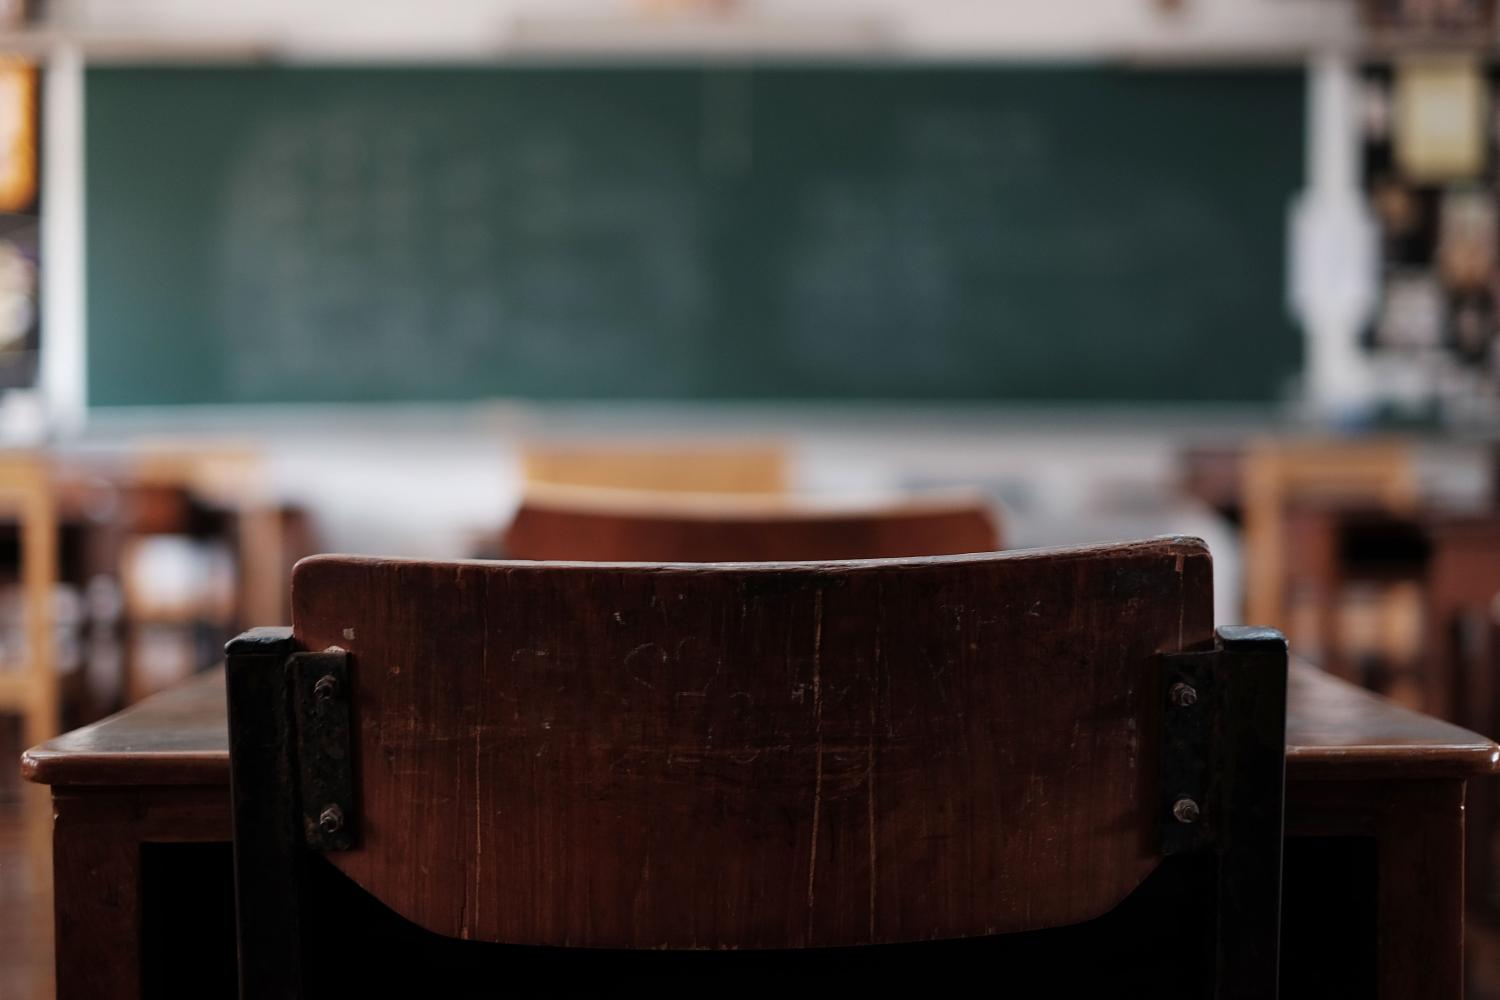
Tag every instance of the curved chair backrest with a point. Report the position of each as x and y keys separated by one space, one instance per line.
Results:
x=767 y=756
x=627 y=526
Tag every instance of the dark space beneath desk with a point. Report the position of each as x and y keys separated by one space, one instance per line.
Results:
x=187 y=938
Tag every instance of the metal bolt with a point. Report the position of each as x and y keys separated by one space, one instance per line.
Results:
x=1183 y=695
x=1185 y=809
x=331 y=820
x=327 y=688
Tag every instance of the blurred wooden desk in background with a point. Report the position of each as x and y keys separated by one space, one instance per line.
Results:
x=705 y=466
x=1375 y=827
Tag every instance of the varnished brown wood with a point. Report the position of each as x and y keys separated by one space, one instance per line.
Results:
x=1335 y=730
x=627 y=526
x=98 y=836
x=1418 y=829
x=1421 y=859
x=96 y=895
x=762 y=755
x=176 y=737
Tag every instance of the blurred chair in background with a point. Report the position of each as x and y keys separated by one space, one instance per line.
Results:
x=1354 y=578
x=121 y=572
x=1463 y=613
x=1291 y=570
x=626 y=526
x=223 y=561
x=233 y=477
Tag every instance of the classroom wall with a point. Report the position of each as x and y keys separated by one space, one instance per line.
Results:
x=94 y=32
x=458 y=473
x=460 y=28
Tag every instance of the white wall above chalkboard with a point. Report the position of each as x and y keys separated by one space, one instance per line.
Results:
x=153 y=30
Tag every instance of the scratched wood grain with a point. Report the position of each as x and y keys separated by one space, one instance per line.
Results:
x=772 y=755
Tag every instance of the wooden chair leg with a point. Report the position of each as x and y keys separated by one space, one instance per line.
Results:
x=32 y=691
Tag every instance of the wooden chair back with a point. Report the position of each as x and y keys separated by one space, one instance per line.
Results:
x=626 y=526
x=726 y=763
x=720 y=467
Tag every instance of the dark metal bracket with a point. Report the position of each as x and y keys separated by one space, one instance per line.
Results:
x=1200 y=692
x=1188 y=817
x=1223 y=762
x=319 y=685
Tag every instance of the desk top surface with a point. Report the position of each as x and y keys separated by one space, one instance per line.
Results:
x=1334 y=731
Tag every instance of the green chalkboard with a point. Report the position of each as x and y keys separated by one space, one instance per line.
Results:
x=777 y=232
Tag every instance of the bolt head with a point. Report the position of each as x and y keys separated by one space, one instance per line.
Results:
x=1183 y=695
x=331 y=820
x=1185 y=810
x=327 y=688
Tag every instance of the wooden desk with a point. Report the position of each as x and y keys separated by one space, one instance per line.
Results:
x=1359 y=769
